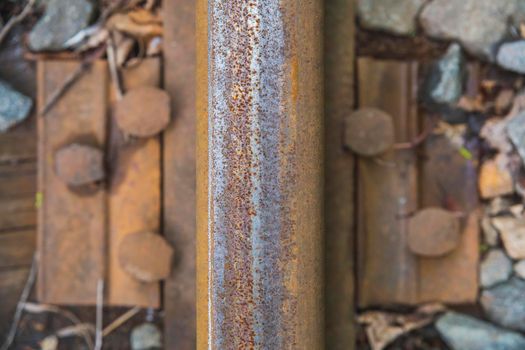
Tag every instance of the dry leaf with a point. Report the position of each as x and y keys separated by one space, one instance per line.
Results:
x=124 y=23
x=123 y=49
x=95 y=40
x=504 y=101
x=471 y=104
x=382 y=328
x=142 y=16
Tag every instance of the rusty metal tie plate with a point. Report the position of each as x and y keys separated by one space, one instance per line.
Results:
x=79 y=229
x=393 y=186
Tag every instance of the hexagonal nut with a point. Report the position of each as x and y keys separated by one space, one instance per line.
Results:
x=369 y=132
x=143 y=112
x=146 y=256
x=433 y=232
x=79 y=165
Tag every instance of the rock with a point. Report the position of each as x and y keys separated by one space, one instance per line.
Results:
x=504 y=304
x=79 y=165
x=144 y=111
x=479 y=25
x=61 y=21
x=516 y=131
x=146 y=256
x=146 y=337
x=445 y=81
x=512 y=232
x=498 y=206
x=494 y=180
x=490 y=234
x=14 y=107
x=517 y=210
x=519 y=269
x=369 y=132
x=496 y=267
x=511 y=56
x=462 y=332
x=494 y=131
x=395 y=16
x=504 y=101
x=433 y=232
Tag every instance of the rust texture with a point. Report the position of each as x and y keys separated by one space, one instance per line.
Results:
x=134 y=194
x=71 y=229
x=260 y=155
x=396 y=187
x=339 y=58
x=388 y=188
x=179 y=183
x=80 y=230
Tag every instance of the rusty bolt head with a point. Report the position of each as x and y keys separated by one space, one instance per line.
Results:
x=369 y=132
x=433 y=232
x=144 y=111
x=146 y=256
x=79 y=165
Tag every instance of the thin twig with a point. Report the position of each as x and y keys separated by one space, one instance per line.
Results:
x=100 y=308
x=120 y=321
x=71 y=79
x=20 y=306
x=58 y=93
x=113 y=69
x=16 y=19
x=70 y=316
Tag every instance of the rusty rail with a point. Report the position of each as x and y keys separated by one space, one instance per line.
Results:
x=259 y=171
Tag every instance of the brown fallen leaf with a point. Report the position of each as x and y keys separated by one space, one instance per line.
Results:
x=504 y=101
x=123 y=22
x=382 y=328
x=471 y=104
x=142 y=16
x=96 y=39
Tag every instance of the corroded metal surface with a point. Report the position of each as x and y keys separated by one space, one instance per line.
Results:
x=339 y=60
x=387 y=188
x=393 y=187
x=179 y=173
x=260 y=162
x=134 y=196
x=71 y=227
x=369 y=132
x=80 y=229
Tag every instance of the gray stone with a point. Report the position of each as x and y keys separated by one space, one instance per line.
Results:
x=396 y=16
x=463 y=332
x=511 y=56
x=496 y=267
x=519 y=269
x=14 y=107
x=61 y=21
x=512 y=233
x=146 y=337
x=478 y=24
x=516 y=132
x=444 y=84
x=490 y=234
x=504 y=304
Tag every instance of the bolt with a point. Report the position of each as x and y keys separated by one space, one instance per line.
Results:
x=369 y=132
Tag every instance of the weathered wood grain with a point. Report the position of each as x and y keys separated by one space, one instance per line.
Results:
x=179 y=172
